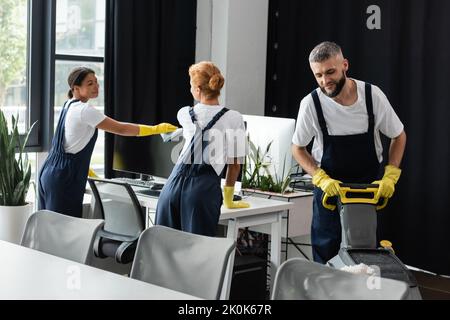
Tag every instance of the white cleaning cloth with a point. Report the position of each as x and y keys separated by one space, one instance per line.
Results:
x=359 y=269
x=172 y=136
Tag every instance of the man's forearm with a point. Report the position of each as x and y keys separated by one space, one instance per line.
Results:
x=304 y=159
x=397 y=150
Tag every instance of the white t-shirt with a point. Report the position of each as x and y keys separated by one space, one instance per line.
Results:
x=81 y=121
x=227 y=136
x=346 y=120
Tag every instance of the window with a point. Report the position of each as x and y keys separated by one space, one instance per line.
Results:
x=13 y=57
x=40 y=42
x=14 y=68
x=79 y=41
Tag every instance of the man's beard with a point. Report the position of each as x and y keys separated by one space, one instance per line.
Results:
x=339 y=85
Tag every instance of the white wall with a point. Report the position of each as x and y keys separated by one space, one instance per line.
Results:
x=233 y=34
x=204 y=30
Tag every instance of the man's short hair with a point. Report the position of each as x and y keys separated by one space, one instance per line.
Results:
x=324 y=51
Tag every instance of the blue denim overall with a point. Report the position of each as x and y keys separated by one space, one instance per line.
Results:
x=350 y=159
x=191 y=199
x=63 y=177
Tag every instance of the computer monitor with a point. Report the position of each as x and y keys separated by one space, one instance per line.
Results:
x=279 y=131
x=146 y=156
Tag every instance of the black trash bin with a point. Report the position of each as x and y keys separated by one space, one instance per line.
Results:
x=249 y=281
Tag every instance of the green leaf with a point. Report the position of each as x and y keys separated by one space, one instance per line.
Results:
x=257 y=173
x=15 y=169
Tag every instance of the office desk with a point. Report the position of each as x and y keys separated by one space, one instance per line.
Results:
x=296 y=222
x=262 y=211
x=30 y=274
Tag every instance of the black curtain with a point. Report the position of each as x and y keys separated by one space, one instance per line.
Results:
x=150 y=45
x=408 y=60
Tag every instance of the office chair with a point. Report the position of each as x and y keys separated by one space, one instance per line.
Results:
x=181 y=261
x=124 y=220
x=60 y=235
x=300 y=279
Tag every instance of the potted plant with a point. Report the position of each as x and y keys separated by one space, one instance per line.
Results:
x=257 y=173
x=15 y=174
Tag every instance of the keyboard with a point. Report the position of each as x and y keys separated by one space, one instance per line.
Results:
x=137 y=182
x=306 y=187
x=302 y=185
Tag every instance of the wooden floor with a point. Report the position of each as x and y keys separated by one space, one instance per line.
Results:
x=433 y=287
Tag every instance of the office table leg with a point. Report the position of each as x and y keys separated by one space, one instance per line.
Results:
x=275 y=248
x=274 y=219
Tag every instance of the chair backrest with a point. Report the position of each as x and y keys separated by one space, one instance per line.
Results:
x=119 y=207
x=60 y=235
x=300 y=279
x=181 y=261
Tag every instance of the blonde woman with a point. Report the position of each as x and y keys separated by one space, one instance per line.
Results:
x=215 y=138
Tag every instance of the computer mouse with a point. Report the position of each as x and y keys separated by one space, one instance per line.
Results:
x=157 y=186
x=237 y=197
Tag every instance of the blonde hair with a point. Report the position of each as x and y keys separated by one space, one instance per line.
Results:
x=208 y=78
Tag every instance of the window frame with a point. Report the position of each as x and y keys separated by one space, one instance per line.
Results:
x=40 y=69
x=42 y=58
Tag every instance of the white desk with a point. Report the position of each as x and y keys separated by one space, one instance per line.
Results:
x=30 y=274
x=262 y=211
x=296 y=222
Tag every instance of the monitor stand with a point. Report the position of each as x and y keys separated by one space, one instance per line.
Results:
x=149 y=192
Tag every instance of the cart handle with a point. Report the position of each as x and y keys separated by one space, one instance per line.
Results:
x=356 y=193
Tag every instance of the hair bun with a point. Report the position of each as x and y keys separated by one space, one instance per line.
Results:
x=216 y=82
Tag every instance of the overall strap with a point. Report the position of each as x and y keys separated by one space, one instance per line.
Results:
x=320 y=117
x=210 y=125
x=215 y=119
x=59 y=134
x=192 y=114
x=198 y=136
x=369 y=106
x=197 y=132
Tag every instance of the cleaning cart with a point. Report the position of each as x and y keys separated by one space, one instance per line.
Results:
x=358 y=205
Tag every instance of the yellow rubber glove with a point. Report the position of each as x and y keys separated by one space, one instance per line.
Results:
x=328 y=185
x=228 y=202
x=145 y=130
x=386 y=186
x=92 y=174
x=386 y=244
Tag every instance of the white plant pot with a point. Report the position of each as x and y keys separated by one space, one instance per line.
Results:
x=13 y=221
